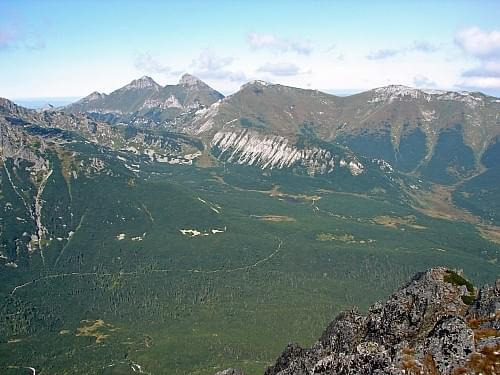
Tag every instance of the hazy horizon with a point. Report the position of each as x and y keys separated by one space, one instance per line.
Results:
x=59 y=101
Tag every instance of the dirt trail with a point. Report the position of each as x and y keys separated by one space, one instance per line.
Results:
x=133 y=273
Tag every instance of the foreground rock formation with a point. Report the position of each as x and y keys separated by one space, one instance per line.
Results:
x=436 y=324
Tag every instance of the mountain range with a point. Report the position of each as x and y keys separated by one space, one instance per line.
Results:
x=145 y=99
x=174 y=230
x=448 y=138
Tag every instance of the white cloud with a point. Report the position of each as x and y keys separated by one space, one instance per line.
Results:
x=7 y=37
x=479 y=43
x=481 y=82
x=210 y=66
x=10 y=37
x=417 y=46
x=383 y=54
x=280 y=69
x=276 y=44
x=486 y=69
x=423 y=46
x=146 y=63
x=423 y=81
x=301 y=47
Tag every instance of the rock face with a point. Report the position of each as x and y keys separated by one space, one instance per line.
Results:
x=251 y=148
x=427 y=327
x=14 y=144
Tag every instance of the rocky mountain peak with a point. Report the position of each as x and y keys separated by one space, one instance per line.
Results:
x=142 y=83
x=7 y=106
x=47 y=108
x=435 y=324
x=6 y=103
x=256 y=83
x=94 y=96
x=189 y=80
x=90 y=99
x=403 y=93
x=393 y=91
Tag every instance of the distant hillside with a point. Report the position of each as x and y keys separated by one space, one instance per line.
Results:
x=411 y=129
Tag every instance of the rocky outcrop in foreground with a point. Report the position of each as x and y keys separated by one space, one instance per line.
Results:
x=436 y=324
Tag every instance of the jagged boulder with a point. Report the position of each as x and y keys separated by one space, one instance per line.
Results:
x=449 y=344
x=413 y=311
x=345 y=332
x=294 y=360
x=487 y=305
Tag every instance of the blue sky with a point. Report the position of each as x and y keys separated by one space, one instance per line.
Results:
x=71 y=48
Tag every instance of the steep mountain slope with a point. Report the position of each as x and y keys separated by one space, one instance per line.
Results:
x=51 y=152
x=440 y=137
x=252 y=128
x=269 y=108
x=189 y=93
x=437 y=136
x=481 y=194
x=129 y=98
x=157 y=144
x=38 y=160
x=409 y=128
x=416 y=130
x=143 y=101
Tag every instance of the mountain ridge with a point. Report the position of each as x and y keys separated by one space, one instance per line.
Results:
x=144 y=100
x=443 y=137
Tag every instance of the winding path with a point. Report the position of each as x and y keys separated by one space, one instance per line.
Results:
x=132 y=273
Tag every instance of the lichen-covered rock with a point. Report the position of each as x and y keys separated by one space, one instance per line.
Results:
x=450 y=343
x=344 y=333
x=293 y=360
x=424 y=328
x=414 y=310
x=487 y=305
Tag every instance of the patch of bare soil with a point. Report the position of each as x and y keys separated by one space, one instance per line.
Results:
x=395 y=222
x=97 y=329
x=274 y=218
